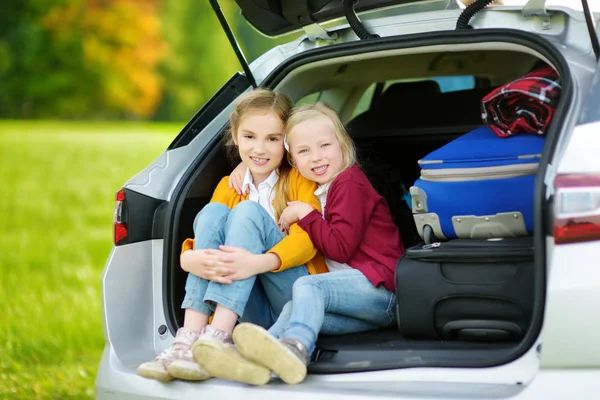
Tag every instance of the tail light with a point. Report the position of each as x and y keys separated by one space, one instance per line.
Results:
x=120 y=219
x=576 y=208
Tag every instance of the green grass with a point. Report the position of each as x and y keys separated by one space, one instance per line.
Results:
x=58 y=182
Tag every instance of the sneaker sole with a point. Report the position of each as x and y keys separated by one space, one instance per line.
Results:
x=156 y=375
x=220 y=363
x=183 y=373
x=257 y=345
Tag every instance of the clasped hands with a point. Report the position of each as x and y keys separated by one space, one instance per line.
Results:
x=225 y=265
x=228 y=263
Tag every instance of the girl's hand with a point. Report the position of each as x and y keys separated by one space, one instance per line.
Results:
x=235 y=264
x=295 y=211
x=236 y=178
x=201 y=263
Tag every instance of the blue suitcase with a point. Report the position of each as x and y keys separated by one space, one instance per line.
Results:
x=477 y=186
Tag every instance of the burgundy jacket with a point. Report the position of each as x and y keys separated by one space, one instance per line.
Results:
x=358 y=228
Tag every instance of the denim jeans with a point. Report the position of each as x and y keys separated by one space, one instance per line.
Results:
x=333 y=304
x=258 y=299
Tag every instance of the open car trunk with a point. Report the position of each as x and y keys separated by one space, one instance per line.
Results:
x=403 y=121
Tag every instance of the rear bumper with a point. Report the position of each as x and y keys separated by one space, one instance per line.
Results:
x=114 y=381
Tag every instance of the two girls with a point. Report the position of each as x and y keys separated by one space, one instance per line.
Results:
x=238 y=243
x=357 y=235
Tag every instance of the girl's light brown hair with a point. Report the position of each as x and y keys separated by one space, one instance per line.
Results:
x=270 y=102
x=309 y=111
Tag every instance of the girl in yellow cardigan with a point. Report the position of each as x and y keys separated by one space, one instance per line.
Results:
x=237 y=242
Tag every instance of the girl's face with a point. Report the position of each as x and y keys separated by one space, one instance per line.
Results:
x=260 y=142
x=315 y=149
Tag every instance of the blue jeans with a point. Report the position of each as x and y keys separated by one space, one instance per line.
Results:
x=333 y=304
x=250 y=227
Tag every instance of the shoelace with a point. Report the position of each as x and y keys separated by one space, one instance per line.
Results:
x=211 y=333
x=173 y=351
x=178 y=348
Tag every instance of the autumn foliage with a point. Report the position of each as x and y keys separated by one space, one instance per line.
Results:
x=121 y=43
x=110 y=59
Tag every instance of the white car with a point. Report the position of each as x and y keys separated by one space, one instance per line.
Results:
x=385 y=59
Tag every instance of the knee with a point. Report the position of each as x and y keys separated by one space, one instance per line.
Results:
x=287 y=308
x=305 y=283
x=245 y=211
x=248 y=209
x=210 y=212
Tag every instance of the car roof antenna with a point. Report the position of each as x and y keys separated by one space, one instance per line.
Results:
x=469 y=12
x=234 y=44
x=355 y=23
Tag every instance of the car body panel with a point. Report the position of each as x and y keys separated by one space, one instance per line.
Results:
x=115 y=383
x=162 y=176
x=570 y=325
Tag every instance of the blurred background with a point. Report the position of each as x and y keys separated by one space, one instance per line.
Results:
x=91 y=91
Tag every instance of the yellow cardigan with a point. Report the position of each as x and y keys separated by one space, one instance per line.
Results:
x=294 y=249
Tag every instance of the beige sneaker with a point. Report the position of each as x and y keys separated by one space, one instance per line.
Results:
x=157 y=369
x=215 y=352
x=287 y=358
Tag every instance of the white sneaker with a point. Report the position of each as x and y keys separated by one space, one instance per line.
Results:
x=187 y=369
x=157 y=369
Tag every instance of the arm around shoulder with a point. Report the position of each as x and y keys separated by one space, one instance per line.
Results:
x=297 y=248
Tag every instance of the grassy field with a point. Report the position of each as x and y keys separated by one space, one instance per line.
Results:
x=58 y=182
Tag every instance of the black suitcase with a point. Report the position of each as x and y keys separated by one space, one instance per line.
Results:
x=466 y=289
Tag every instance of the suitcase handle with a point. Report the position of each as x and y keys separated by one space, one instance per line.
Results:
x=482 y=330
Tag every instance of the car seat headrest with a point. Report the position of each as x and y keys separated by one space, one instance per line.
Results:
x=408 y=92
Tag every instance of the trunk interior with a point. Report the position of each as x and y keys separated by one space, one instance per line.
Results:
x=406 y=116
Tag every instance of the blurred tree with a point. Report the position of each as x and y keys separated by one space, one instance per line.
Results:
x=79 y=58
x=199 y=59
x=121 y=45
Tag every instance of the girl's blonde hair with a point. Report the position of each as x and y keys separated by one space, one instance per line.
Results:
x=270 y=102
x=309 y=111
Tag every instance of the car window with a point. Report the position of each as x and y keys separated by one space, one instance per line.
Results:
x=455 y=83
x=446 y=83
x=365 y=101
x=309 y=99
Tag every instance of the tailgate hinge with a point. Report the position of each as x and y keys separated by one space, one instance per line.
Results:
x=315 y=32
x=537 y=8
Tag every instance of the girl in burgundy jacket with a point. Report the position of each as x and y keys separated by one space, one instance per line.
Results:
x=361 y=244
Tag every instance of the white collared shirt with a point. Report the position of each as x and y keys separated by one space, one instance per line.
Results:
x=321 y=194
x=265 y=194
